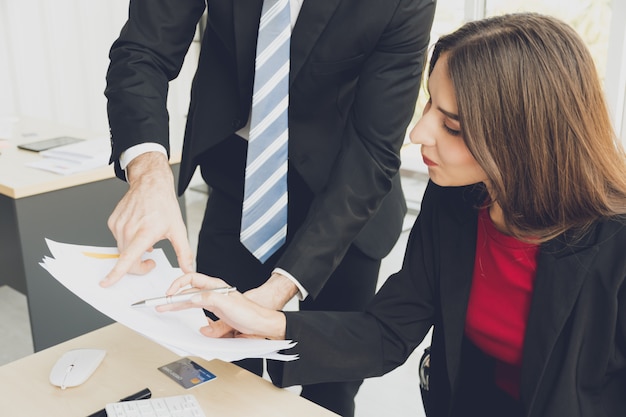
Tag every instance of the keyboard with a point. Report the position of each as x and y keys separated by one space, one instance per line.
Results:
x=174 y=406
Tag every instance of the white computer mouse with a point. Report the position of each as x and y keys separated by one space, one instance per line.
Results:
x=75 y=366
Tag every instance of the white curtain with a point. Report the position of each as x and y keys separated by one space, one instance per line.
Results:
x=54 y=57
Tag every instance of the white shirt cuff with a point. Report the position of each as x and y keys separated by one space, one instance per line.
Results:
x=302 y=293
x=134 y=151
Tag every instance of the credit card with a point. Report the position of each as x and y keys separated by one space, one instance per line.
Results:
x=187 y=372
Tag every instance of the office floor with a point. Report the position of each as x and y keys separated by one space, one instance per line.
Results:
x=396 y=393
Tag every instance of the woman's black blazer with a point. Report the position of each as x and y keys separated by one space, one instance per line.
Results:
x=574 y=355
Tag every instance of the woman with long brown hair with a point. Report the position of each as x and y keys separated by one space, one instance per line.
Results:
x=518 y=257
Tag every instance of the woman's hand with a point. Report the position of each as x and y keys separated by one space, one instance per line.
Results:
x=236 y=310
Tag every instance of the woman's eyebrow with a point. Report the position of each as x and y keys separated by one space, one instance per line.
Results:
x=449 y=114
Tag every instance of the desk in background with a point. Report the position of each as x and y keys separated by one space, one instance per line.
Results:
x=129 y=366
x=35 y=205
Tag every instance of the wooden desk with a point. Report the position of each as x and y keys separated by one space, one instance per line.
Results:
x=129 y=366
x=36 y=204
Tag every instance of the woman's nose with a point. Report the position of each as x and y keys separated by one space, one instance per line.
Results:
x=422 y=133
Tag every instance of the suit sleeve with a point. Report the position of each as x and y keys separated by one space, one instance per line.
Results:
x=148 y=53
x=343 y=346
x=369 y=158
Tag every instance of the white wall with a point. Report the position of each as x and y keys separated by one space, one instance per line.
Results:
x=616 y=68
x=54 y=57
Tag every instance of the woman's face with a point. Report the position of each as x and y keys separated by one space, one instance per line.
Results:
x=448 y=159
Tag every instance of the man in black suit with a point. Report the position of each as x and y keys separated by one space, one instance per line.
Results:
x=355 y=72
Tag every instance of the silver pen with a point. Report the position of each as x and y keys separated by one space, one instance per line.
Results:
x=179 y=298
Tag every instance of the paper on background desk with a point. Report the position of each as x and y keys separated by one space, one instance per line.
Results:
x=75 y=157
x=178 y=331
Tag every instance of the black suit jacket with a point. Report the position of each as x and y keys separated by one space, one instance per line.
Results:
x=574 y=355
x=355 y=72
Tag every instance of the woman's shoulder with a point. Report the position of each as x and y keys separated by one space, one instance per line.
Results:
x=614 y=226
x=604 y=233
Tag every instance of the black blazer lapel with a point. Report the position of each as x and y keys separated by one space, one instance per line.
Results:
x=313 y=18
x=560 y=276
x=246 y=17
x=456 y=270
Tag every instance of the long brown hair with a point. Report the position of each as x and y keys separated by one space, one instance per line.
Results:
x=533 y=115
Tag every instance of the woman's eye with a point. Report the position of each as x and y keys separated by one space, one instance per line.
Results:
x=451 y=131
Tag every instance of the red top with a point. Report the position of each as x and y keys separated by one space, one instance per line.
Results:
x=504 y=273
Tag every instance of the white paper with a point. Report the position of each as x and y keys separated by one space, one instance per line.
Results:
x=77 y=269
x=75 y=157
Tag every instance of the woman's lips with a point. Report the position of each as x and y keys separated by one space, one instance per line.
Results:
x=428 y=162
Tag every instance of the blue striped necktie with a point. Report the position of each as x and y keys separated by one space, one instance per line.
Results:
x=264 y=212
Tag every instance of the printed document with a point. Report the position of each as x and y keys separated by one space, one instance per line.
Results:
x=81 y=268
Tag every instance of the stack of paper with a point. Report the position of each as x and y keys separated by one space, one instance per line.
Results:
x=75 y=157
x=81 y=268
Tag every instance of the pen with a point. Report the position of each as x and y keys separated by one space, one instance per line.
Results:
x=141 y=395
x=179 y=298
x=98 y=255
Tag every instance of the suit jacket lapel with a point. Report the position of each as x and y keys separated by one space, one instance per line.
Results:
x=246 y=16
x=313 y=18
x=560 y=276
x=457 y=265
